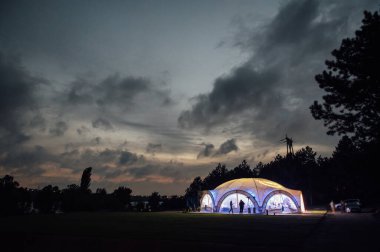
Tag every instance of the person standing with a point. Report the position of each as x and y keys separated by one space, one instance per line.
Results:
x=231 y=207
x=342 y=206
x=241 y=204
x=332 y=206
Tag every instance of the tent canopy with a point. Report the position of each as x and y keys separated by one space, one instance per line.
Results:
x=257 y=191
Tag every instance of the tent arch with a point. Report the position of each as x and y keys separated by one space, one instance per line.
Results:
x=253 y=199
x=204 y=194
x=267 y=198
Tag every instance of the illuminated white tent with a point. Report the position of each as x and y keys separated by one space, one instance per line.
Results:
x=258 y=195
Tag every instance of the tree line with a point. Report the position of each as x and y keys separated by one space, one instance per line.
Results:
x=348 y=173
x=50 y=199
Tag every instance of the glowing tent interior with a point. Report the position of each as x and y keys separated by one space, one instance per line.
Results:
x=258 y=195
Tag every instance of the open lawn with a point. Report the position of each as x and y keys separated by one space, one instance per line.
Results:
x=172 y=231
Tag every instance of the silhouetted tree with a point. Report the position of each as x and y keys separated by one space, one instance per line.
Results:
x=307 y=169
x=101 y=200
x=296 y=172
x=154 y=201
x=243 y=170
x=71 y=198
x=85 y=181
x=140 y=206
x=101 y=191
x=13 y=200
x=352 y=83
x=257 y=169
x=276 y=170
x=351 y=107
x=353 y=171
x=216 y=177
x=122 y=198
x=47 y=200
x=173 y=203
x=324 y=177
x=192 y=194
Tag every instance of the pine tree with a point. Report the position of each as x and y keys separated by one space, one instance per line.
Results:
x=352 y=83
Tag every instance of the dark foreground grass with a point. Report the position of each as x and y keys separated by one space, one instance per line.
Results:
x=166 y=231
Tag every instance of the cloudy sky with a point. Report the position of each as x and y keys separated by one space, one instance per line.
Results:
x=153 y=93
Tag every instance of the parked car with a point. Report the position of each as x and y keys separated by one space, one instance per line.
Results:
x=349 y=206
x=352 y=205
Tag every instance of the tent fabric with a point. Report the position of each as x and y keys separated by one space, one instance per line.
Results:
x=261 y=190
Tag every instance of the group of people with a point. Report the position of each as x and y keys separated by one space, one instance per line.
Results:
x=241 y=205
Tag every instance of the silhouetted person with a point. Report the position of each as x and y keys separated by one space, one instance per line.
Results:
x=231 y=207
x=332 y=206
x=241 y=204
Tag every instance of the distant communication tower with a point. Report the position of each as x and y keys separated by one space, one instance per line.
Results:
x=289 y=145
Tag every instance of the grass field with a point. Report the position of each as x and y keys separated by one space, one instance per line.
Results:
x=166 y=231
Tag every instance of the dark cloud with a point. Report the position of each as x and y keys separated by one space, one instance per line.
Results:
x=304 y=30
x=97 y=140
x=244 y=89
x=128 y=158
x=107 y=155
x=141 y=172
x=77 y=159
x=83 y=130
x=157 y=169
x=59 y=129
x=263 y=154
x=30 y=161
x=227 y=147
x=103 y=161
x=102 y=123
x=296 y=15
x=206 y=151
x=171 y=172
x=80 y=92
x=38 y=122
x=270 y=93
x=17 y=101
x=26 y=161
x=115 y=91
x=153 y=148
x=111 y=174
x=152 y=170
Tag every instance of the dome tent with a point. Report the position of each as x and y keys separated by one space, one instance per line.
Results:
x=258 y=195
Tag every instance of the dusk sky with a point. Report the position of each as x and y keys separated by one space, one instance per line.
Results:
x=153 y=93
